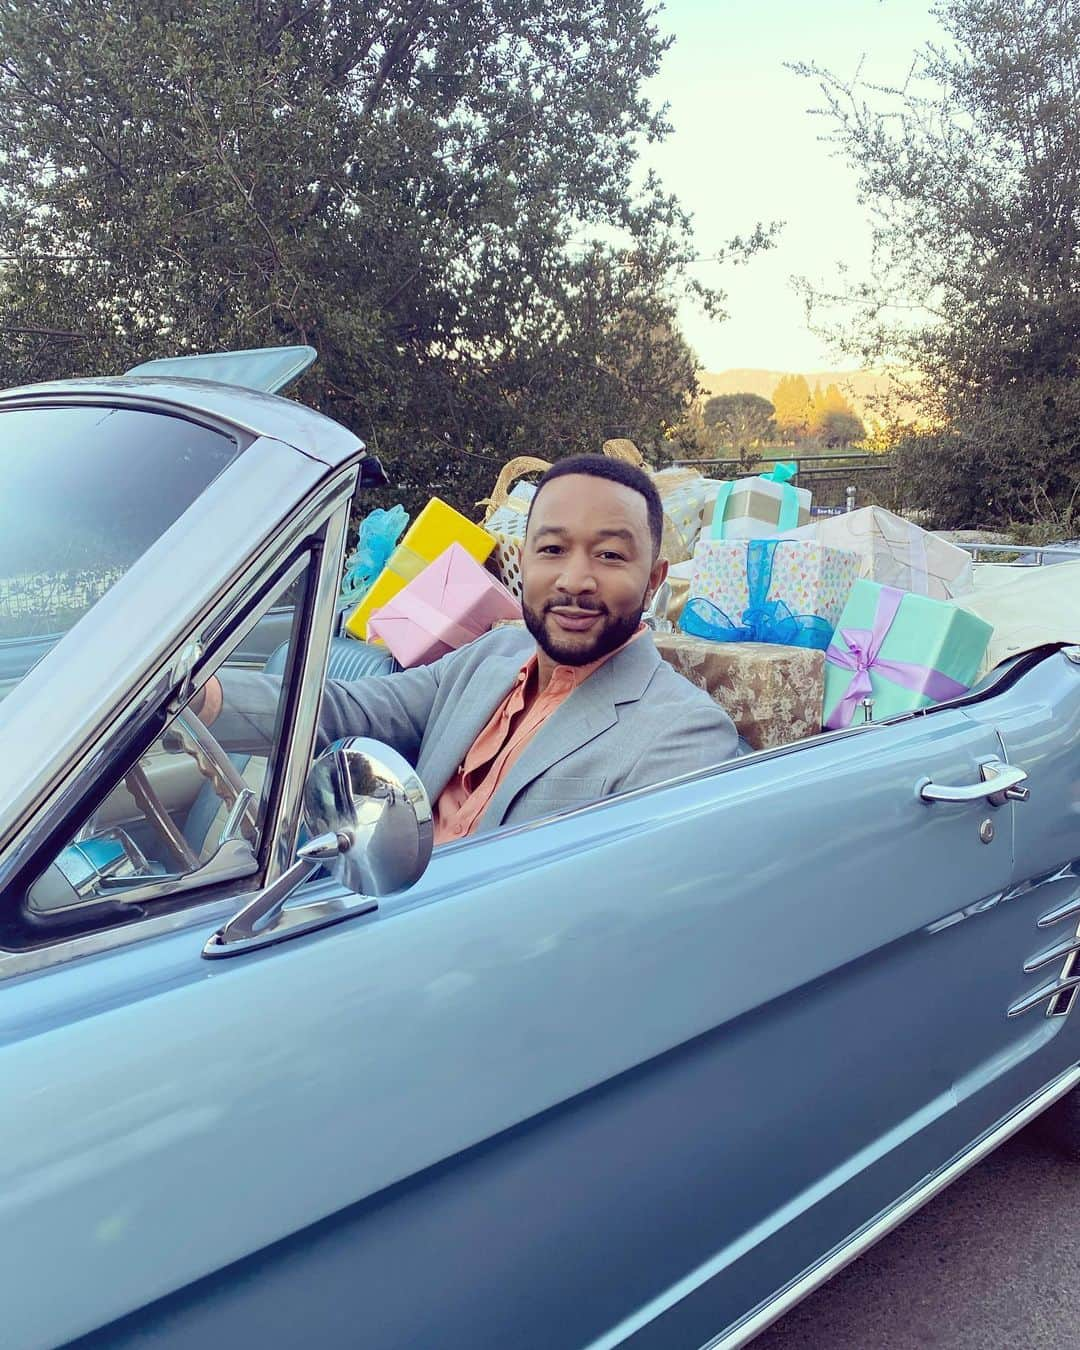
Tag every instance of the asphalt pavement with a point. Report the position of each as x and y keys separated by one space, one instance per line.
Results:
x=993 y=1263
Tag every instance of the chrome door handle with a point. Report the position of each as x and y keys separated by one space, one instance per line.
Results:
x=1001 y=783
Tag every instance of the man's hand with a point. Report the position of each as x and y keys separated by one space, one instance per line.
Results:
x=207 y=703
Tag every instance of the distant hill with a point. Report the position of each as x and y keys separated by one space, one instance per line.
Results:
x=859 y=386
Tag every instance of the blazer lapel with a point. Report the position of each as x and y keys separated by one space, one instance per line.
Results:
x=443 y=751
x=582 y=716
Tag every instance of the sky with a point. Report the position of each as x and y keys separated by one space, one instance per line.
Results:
x=744 y=148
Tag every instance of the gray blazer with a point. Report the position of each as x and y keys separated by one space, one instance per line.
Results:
x=632 y=723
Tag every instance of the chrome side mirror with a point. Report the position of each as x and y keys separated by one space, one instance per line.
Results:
x=369 y=817
x=372 y=826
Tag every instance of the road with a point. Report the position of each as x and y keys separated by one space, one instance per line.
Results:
x=991 y=1264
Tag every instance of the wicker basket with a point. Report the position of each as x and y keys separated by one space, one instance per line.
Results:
x=520 y=465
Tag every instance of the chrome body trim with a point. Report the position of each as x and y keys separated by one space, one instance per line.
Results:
x=1069 y=909
x=248 y=410
x=297 y=753
x=1047 y=991
x=1040 y=555
x=1056 y=953
x=862 y=1241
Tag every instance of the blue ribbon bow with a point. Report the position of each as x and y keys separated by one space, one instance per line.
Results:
x=763 y=620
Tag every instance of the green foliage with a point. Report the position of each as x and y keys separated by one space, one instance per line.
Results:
x=837 y=427
x=741 y=421
x=972 y=177
x=415 y=188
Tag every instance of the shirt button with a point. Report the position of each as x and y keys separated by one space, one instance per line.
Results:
x=459 y=829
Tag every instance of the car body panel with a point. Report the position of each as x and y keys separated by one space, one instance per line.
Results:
x=622 y=1076
x=671 y=1028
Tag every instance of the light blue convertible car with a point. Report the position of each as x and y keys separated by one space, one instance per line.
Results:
x=640 y=1074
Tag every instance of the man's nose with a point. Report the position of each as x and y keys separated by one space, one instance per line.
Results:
x=578 y=574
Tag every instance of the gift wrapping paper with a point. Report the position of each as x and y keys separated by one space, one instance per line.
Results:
x=773 y=694
x=810 y=578
x=896 y=552
x=903 y=651
x=434 y=530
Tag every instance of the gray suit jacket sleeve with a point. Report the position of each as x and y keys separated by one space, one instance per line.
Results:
x=393 y=708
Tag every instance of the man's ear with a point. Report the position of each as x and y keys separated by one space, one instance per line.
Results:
x=656 y=578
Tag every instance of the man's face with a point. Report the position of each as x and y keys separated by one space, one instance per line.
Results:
x=587 y=569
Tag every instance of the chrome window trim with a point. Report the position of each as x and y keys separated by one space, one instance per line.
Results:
x=250 y=411
x=775 y=1308
x=326 y=509
x=309 y=675
x=241 y=436
x=209 y=914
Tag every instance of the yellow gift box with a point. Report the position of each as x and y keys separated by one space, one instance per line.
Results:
x=431 y=533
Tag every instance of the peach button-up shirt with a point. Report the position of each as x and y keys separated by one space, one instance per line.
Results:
x=512 y=726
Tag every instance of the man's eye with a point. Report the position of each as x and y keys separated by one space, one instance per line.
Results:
x=609 y=555
x=549 y=548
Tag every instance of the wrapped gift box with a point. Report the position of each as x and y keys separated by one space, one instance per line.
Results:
x=431 y=533
x=1028 y=607
x=735 y=576
x=452 y=602
x=507 y=527
x=687 y=498
x=903 y=651
x=896 y=552
x=505 y=562
x=772 y=694
x=758 y=508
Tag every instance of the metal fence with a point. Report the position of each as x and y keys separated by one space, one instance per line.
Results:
x=839 y=482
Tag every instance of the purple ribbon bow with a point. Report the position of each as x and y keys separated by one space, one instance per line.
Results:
x=857 y=649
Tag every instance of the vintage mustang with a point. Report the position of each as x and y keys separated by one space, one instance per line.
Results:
x=642 y=1073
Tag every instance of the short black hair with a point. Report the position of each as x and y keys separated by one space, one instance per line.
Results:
x=615 y=471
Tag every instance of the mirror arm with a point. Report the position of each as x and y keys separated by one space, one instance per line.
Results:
x=265 y=920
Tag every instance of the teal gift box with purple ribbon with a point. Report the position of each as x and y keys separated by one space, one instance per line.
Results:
x=903 y=651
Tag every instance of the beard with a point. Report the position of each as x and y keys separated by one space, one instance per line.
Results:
x=613 y=631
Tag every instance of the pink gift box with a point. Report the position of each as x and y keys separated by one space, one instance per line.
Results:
x=451 y=602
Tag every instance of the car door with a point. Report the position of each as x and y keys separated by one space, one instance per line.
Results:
x=613 y=1076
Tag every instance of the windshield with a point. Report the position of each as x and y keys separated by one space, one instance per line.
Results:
x=84 y=492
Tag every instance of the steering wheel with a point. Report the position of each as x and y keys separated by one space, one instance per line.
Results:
x=189 y=735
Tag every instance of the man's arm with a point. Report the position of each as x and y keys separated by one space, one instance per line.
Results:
x=241 y=705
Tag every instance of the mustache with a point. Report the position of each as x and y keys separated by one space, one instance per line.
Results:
x=571 y=602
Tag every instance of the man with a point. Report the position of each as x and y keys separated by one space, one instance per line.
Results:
x=520 y=724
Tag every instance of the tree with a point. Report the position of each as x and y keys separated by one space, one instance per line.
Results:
x=413 y=187
x=833 y=421
x=739 y=420
x=835 y=427
x=972 y=178
x=791 y=399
